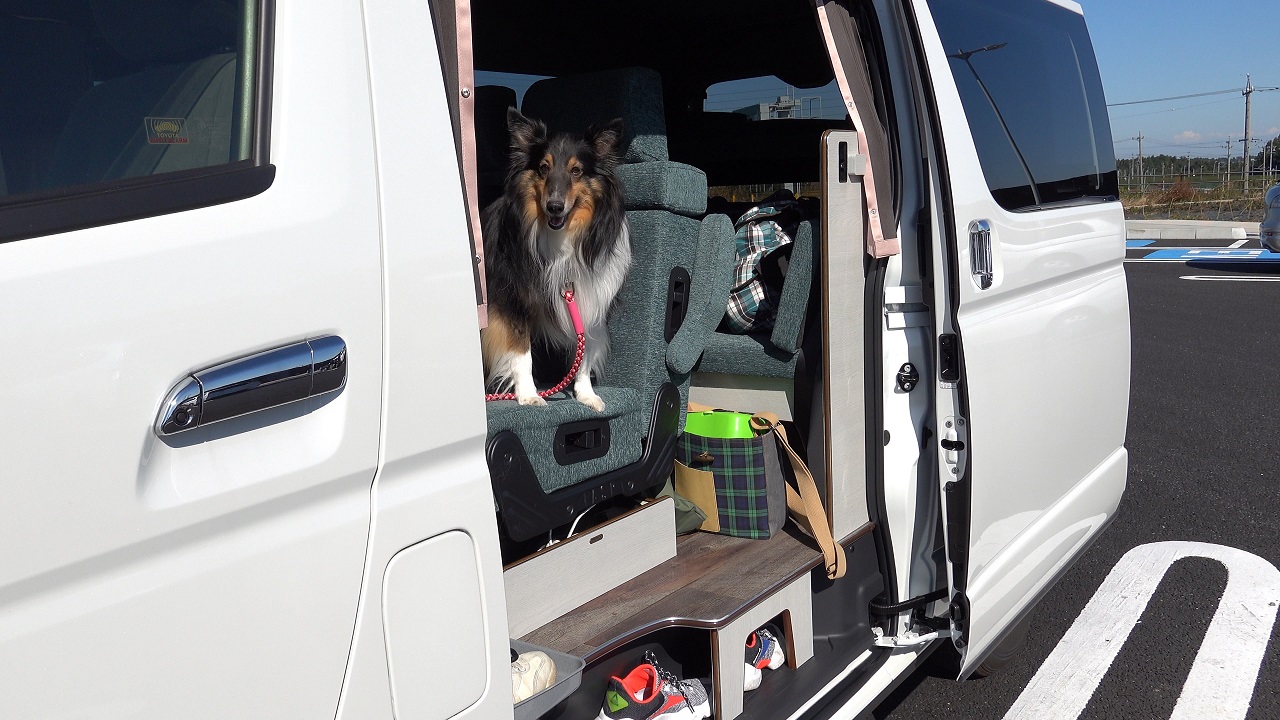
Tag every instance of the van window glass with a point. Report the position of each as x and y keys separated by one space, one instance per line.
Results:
x=108 y=90
x=768 y=98
x=518 y=82
x=1030 y=86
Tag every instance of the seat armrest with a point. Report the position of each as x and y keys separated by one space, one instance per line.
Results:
x=794 y=303
x=710 y=281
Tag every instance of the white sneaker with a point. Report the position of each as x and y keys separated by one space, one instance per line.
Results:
x=751 y=680
x=531 y=673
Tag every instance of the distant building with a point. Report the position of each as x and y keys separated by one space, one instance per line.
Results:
x=783 y=108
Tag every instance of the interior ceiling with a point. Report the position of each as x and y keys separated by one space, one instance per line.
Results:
x=693 y=43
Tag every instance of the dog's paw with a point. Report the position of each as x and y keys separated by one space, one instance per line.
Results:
x=531 y=400
x=592 y=401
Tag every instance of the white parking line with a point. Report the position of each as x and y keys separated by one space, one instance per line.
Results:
x=1225 y=670
x=1239 y=243
x=1231 y=278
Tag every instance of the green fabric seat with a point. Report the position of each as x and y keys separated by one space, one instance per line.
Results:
x=665 y=185
x=537 y=426
x=771 y=353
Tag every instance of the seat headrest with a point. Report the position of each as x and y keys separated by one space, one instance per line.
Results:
x=165 y=31
x=573 y=102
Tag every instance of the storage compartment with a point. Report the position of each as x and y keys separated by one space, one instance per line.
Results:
x=568 y=678
x=554 y=581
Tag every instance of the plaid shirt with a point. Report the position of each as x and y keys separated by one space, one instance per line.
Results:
x=753 y=303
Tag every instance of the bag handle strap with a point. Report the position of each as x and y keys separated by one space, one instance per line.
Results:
x=806 y=505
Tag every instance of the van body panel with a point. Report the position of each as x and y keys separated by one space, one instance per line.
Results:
x=1045 y=358
x=145 y=577
x=433 y=477
x=438 y=668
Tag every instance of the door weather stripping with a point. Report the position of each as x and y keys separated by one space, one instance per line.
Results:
x=917 y=636
x=258 y=382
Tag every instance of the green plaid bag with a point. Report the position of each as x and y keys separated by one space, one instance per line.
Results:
x=731 y=468
x=737 y=481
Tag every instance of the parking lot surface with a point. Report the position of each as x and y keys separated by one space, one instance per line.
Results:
x=1204 y=444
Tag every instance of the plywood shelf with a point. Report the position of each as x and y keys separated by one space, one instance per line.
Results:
x=712 y=580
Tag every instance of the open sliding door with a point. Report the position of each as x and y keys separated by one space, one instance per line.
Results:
x=1033 y=321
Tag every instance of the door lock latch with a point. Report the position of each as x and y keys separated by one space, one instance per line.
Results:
x=908 y=377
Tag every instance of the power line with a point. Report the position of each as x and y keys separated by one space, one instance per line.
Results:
x=1176 y=97
x=1176 y=109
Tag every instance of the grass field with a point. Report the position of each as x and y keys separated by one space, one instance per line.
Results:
x=1184 y=202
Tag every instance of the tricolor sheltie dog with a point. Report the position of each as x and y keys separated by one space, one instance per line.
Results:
x=560 y=220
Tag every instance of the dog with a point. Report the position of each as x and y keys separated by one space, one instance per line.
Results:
x=559 y=221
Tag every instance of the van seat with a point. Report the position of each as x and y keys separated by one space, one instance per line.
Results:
x=538 y=427
x=493 y=139
x=665 y=310
x=772 y=353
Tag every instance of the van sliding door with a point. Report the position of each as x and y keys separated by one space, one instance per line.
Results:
x=1032 y=306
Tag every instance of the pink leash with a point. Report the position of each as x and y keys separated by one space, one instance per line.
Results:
x=577 y=356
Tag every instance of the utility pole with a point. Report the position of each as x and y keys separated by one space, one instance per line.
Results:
x=1249 y=90
x=1227 y=182
x=1248 y=118
x=1142 y=176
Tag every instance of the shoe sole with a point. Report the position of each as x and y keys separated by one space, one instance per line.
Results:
x=682 y=712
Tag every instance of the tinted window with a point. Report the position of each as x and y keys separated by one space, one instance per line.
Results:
x=768 y=98
x=1033 y=97
x=111 y=90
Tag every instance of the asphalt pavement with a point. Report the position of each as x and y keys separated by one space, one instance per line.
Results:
x=1204 y=465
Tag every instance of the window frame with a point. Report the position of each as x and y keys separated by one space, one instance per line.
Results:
x=77 y=207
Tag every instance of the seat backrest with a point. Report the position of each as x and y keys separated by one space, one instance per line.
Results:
x=571 y=103
x=493 y=140
x=664 y=201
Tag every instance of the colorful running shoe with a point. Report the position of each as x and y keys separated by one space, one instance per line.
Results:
x=764 y=650
x=651 y=693
x=531 y=673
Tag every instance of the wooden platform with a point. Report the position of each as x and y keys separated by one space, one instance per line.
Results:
x=712 y=580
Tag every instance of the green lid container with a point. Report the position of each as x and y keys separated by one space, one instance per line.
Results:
x=719 y=424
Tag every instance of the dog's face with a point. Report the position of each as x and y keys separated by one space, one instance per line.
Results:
x=560 y=178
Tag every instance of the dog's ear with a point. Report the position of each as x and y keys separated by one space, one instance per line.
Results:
x=525 y=133
x=605 y=139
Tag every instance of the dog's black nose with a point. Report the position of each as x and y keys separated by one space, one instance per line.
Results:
x=555 y=207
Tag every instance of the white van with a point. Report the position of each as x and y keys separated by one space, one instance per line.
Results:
x=248 y=468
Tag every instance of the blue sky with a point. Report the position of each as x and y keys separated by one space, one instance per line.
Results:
x=1161 y=48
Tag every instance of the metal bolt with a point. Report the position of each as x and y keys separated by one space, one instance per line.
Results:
x=960 y=422
x=953 y=471
x=466 y=92
x=948 y=423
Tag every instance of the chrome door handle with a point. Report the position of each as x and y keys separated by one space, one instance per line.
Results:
x=980 y=254
x=258 y=382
